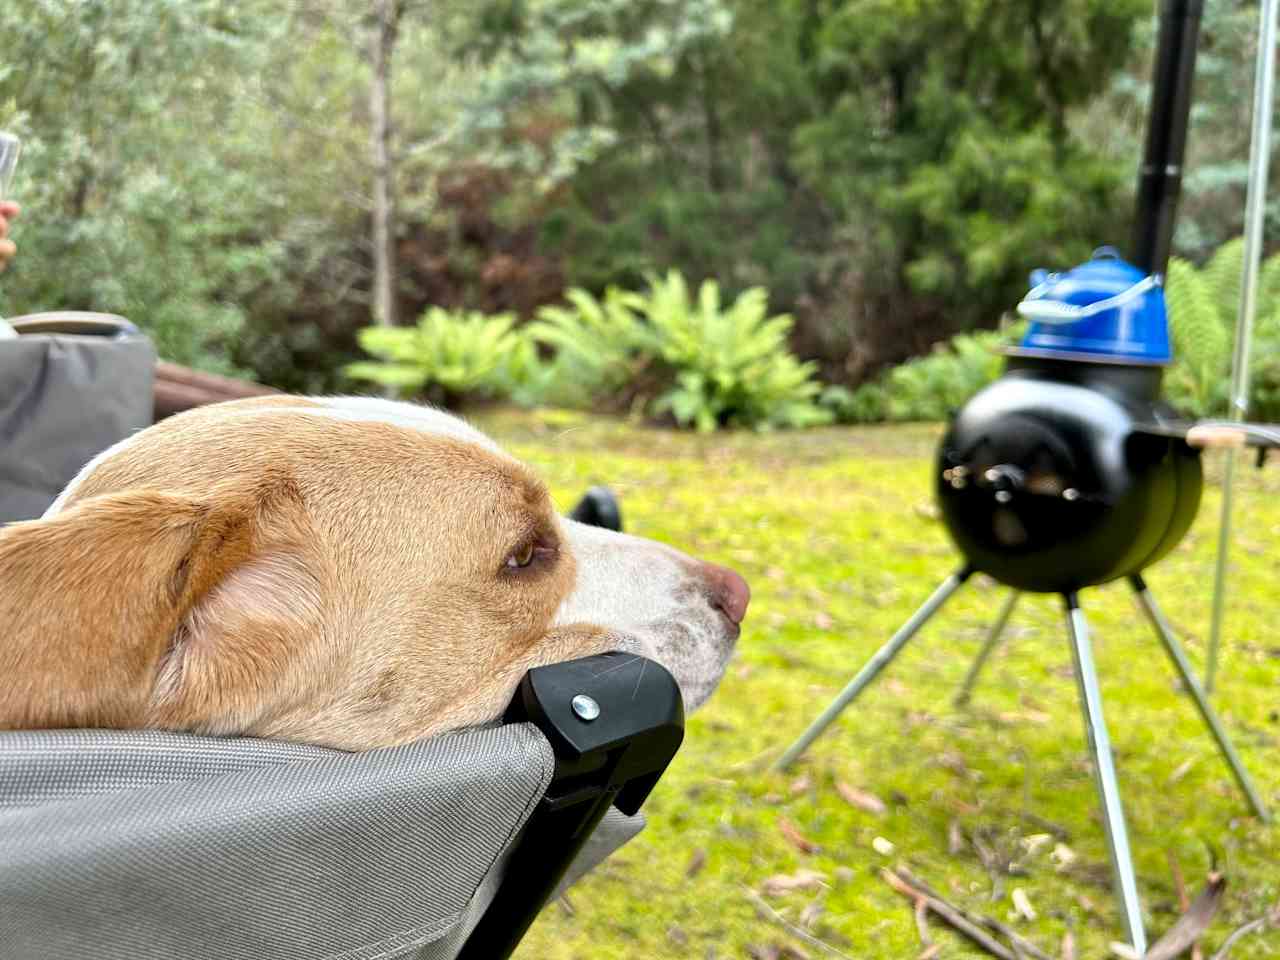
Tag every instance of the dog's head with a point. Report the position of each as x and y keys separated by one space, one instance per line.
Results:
x=349 y=572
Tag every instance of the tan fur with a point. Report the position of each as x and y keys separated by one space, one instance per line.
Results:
x=319 y=572
x=233 y=574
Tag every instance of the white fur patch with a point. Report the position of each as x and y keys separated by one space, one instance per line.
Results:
x=654 y=598
x=118 y=447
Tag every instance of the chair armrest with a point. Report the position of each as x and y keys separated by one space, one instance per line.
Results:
x=614 y=721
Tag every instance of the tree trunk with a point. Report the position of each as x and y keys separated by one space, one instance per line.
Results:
x=386 y=273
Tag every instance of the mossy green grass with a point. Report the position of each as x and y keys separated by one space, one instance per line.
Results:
x=836 y=532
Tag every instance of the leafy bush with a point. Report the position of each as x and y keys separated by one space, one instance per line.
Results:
x=731 y=367
x=662 y=353
x=934 y=386
x=600 y=346
x=446 y=356
x=931 y=387
x=657 y=353
x=868 y=403
x=1203 y=304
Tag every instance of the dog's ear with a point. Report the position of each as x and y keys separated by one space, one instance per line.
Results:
x=150 y=609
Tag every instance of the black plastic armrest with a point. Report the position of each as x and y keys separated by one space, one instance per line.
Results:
x=615 y=721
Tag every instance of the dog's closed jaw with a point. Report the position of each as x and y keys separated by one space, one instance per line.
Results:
x=658 y=603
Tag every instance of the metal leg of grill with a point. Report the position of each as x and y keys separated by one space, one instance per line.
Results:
x=988 y=648
x=1105 y=775
x=878 y=662
x=1180 y=663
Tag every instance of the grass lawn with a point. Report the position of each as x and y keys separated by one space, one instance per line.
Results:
x=836 y=533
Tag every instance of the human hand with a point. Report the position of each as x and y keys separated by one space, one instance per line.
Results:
x=8 y=211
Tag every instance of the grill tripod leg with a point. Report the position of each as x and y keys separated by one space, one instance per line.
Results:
x=1104 y=771
x=1180 y=663
x=879 y=660
x=988 y=648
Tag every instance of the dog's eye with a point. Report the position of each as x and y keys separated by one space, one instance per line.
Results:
x=523 y=557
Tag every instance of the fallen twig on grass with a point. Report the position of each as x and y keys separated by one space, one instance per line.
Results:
x=768 y=913
x=1020 y=943
x=791 y=833
x=951 y=915
x=1180 y=938
x=1253 y=926
x=1048 y=826
x=990 y=862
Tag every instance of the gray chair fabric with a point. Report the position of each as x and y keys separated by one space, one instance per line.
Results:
x=65 y=397
x=153 y=845
x=614 y=830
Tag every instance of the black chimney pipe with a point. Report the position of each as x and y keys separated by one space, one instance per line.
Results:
x=1160 y=178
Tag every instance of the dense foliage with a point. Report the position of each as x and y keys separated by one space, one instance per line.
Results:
x=660 y=353
x=1203 y=308
x=446 y=357
x=1203 y=304
x=932 y=387
x=888 y=171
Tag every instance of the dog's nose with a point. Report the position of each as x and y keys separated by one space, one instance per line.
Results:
x=729 y=592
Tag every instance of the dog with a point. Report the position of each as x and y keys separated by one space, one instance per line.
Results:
x=347 y=572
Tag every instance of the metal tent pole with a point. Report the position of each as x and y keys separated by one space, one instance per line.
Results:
x=1255 y=211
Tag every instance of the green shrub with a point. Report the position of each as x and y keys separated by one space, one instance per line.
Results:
x=600 y=347
x=732 y=367
x=659 y=353
x=868 y=403
x=1203 y=304
x=932 y=387
x=446 y=357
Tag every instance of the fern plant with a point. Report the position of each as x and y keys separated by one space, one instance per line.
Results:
x=599 y=346
x=1198 y=302
x=446 y=356
x=732 y=366
x=868 y=403
x=932 y=387
x=1203 y=304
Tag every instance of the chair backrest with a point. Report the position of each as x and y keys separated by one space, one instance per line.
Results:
x=71 y=385
x=143 y=844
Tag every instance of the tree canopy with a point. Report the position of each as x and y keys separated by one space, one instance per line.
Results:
x=889 y=169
